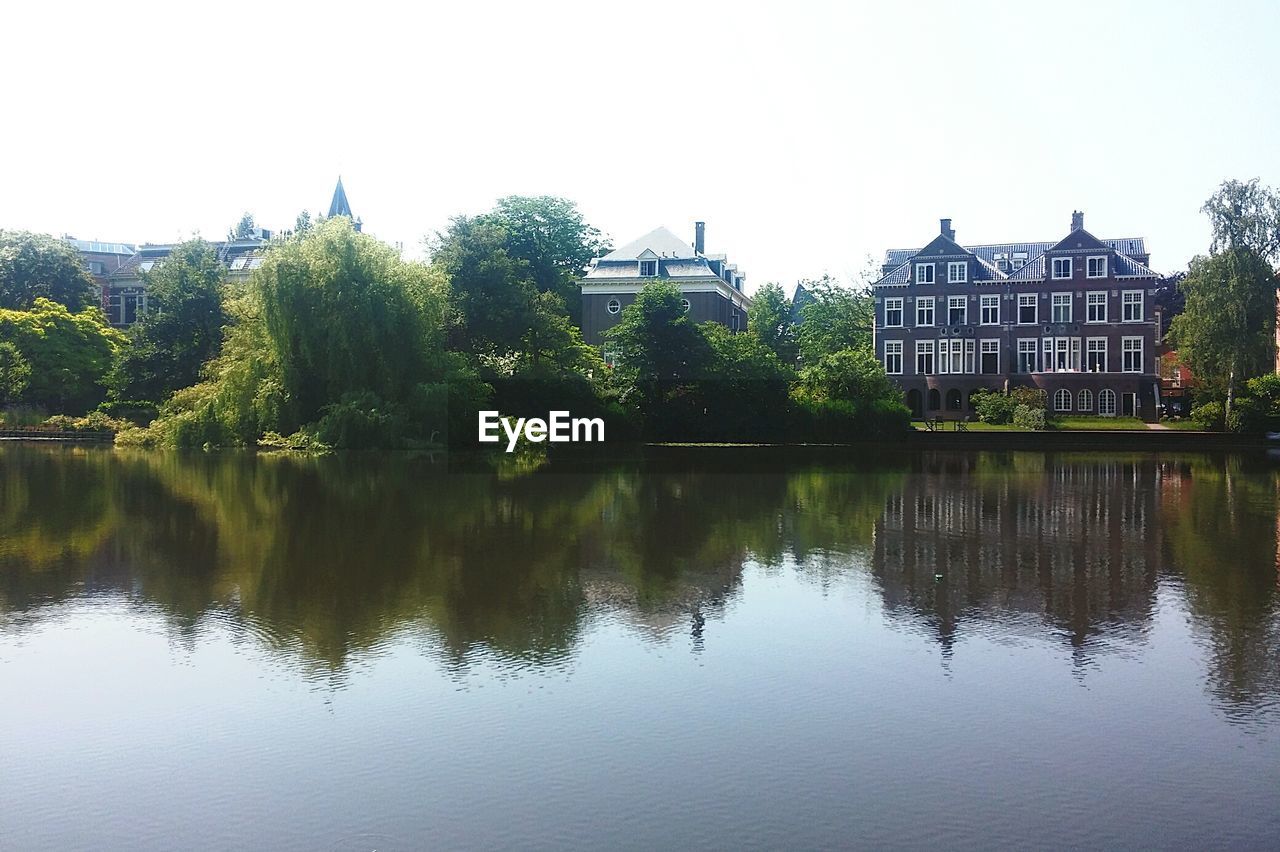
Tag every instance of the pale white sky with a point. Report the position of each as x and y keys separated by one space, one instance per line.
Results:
x=807 y=135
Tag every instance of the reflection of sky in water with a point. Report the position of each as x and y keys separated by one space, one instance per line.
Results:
x=954 y=652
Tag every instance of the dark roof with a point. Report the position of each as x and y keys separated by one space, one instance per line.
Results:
x=339 y=205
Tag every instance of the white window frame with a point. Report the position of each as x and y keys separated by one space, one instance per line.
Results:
x=961 y=302
x=892 y=350
x=1084 y=400
x=893 y=303
x=1033 y=300
x=654 y=273
x=1028 y=346
x=988 y=302
x=1127 y=349
x=1126 y=303
x=990 y=346
x=1095 y=345
x=1089 y=271
x=925 y=347
x=685 y=304
x=920 y=268
x=1058 y=396
x=923 y=302
x=1107 y=402
x=1063 y=273
x=1091 y=302
x=1054 y=301
x=613 y=306
x=970 y=356
x=957 y=272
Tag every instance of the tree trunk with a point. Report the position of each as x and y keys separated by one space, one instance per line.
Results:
x=1231 y=397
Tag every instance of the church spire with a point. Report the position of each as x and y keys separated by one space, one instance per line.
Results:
x=339 y=206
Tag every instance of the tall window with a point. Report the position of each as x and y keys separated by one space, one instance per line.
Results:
x=1131 y=350
x=1085 y=402
x=1061 y=307
x=1027 y=308
x=924 y=310
x=990 y=310
x=957 y=310
x=957 y=272
x=924 y=357
x=924 y=273
x=1061 y=268
x=893 y=357
x=893 y=312
x=1062 y=400
x=1027 y=355
x=1096 y=352
x=1096 y=267
x=990 y=357
x=1131 y=306
x=648 y=268
x=954 y=356
x=1097 y=304
x=1062 y=354
x=1107 y=402
x=969 y=347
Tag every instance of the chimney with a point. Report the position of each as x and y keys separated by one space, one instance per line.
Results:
x=946 y=229
x=700 y=237
x=1077 y=220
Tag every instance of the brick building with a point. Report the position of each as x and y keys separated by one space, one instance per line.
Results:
x=712 y=287
x=1074 y=317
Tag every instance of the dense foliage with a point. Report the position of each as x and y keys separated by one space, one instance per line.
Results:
x=182 y=328
x=68 y=355
x=37 y=266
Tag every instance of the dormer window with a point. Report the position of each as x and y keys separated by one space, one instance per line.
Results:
x=648 y=268
x=1096 y=267
x=957 y=272
x=1061 y=267
x=924 y=273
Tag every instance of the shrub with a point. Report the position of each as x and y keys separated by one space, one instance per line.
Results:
x=1026 y=417
x=1208 y=415
x=993 y=406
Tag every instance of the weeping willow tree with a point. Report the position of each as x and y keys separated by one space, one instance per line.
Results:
x=336 y=340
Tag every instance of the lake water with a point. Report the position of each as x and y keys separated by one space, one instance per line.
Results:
x=928 y=650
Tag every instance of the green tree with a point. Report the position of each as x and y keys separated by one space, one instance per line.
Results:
x=35 y=266
x=769 y=322
x=243 y=229
x=853 y=375
x=15 y=373
x=550 y=235
x=1226 y=332
x=69 y=353
x=181 y=330
x=303 y=223
x=1245 y=215
x=492 y=294
x=746 y=387
x=335 y=337
x=837 y=318
x=661 y=356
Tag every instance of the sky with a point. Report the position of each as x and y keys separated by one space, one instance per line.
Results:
x=808 y=136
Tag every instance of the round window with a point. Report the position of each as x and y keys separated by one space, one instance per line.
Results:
x=614 y=306
x=684 y=303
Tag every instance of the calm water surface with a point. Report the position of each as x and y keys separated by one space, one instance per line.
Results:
x=937 y=650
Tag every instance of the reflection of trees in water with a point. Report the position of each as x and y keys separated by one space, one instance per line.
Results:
x=329 y=558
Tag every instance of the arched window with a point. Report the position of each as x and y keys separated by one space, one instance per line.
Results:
x=953 y=399
x=614 y=306
x=915 y=403
x=1085 y=401
x=1107 y=402
x=1062 y=400
x=935 y=399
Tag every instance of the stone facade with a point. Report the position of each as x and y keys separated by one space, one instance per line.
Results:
x=1075 y=318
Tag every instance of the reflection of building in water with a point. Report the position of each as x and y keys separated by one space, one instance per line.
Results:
x=1073 y=543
